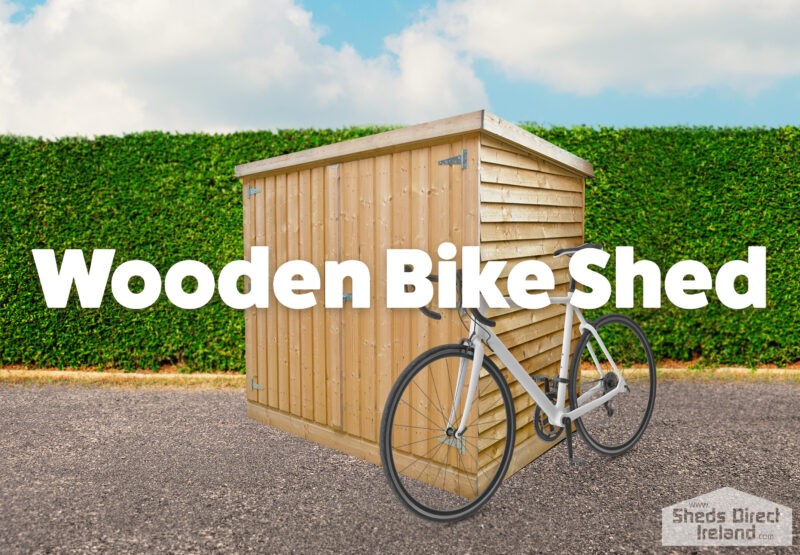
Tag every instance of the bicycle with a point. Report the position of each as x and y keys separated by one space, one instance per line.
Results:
x=445 y=460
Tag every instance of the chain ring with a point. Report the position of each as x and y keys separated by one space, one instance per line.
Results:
x=544 y=429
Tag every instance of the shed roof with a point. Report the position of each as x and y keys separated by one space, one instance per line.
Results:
x=481 y=120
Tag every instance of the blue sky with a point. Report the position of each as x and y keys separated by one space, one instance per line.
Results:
x=521 y=101
x=114 y=67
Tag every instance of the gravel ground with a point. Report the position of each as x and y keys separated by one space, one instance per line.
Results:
x=99 y=470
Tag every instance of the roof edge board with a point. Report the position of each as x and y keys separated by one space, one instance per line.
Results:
x=480 y=120
x=457 y=125
x=502 y=129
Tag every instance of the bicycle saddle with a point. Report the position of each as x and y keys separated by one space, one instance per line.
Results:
x=571 y=250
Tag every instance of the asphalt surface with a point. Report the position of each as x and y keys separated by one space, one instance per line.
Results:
x=115 y=470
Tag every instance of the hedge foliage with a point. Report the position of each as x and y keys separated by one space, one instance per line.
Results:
x=704 y=194
x=672 y=193
x=151 y=196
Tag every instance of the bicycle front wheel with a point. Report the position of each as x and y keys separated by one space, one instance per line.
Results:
x=437 y=475
x=614 y=427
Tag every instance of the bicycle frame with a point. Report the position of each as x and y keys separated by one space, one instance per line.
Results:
x=556 y=413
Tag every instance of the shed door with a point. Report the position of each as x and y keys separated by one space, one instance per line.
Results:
x=399 y=200
x=294 y=356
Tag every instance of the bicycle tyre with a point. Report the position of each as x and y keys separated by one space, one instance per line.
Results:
x=607 y=431
x=429 y=502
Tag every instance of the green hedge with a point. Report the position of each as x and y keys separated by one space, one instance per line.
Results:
x=672 y=193
x=704 y=194
x=151 y=196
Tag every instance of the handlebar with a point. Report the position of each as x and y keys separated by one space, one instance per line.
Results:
x=476 y=314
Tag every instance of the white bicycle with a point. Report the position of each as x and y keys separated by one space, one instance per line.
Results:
x=450 y=422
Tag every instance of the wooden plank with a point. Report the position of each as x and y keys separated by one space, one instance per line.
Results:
x=555 y=264
x=420 y=185
x=411 y=137
x=319 y=328
x=305 y=219
x=273 y=331
x=293 y=253
x=402 y=354
x=493 y=125
x=470 y=199
x=506 y=250
x=521 y=335
x=522 y=318
x=502 y=153
x=460 y=230
x=280 y=246
x=383 y=237
x=250 y=325
x=527 y=451
x=492 y=173
x=512 y=194
x=438 y=232
x=489 y=402
x=561 y=278
x=366 y=318
x=333 y=317
x=371 y=145
x=312 y=431
x=261 y=313
x=511 y=231
x=491 y=212
x=547 y=360
x=535 y=346
x=351 y=240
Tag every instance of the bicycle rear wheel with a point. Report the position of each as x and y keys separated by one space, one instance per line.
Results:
x=613 y=428
x=435 y=474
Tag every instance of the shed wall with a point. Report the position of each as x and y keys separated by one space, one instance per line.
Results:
x=327 y=372
x=334 y=367
x=529 y=208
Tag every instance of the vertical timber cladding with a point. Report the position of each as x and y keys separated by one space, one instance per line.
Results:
x=330 y=370
x=528 y=209
x=399 y=200
x=324 y=374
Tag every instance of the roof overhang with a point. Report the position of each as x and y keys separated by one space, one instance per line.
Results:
x=480 y=121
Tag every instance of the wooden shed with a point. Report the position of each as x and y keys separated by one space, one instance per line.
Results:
x=324 y=374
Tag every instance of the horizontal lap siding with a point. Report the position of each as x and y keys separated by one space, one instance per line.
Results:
x=529 y=208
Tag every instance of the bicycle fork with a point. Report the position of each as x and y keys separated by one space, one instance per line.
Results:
x=455 y=436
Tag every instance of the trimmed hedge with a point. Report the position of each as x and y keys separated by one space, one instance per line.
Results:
x=704 y=194
x=151 y=196
x=672 y=193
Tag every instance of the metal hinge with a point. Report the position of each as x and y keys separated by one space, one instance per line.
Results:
x=460 y=160
x=251 y=192
x=254 y=385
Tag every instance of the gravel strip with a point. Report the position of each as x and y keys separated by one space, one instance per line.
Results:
x=119 y=470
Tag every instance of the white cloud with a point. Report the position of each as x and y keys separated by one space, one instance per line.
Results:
x=586 y=46
x=87 y=67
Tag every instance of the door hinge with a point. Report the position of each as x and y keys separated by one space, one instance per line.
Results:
x=460 y=160
x=251 y=192
x=254 y=385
